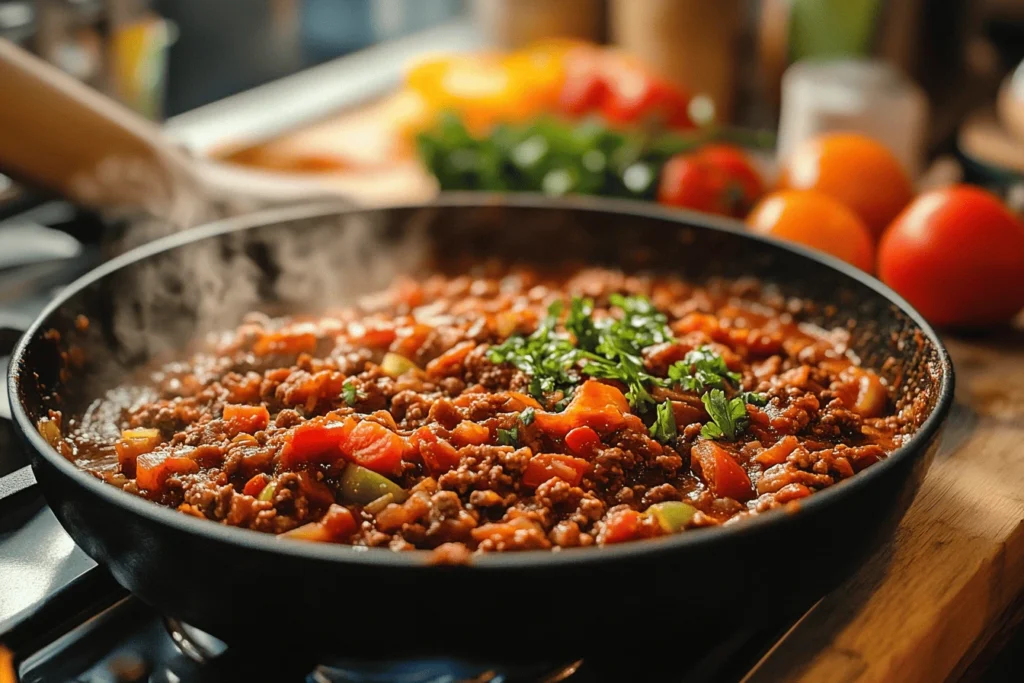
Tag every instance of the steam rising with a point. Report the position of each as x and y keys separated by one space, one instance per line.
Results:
x=161 y=304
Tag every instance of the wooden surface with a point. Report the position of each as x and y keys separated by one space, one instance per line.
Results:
x=928 y=602
x=921 y=606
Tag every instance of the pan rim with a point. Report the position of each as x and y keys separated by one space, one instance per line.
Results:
x=253 y=540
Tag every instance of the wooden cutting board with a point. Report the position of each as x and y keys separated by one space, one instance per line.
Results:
x=927 y=602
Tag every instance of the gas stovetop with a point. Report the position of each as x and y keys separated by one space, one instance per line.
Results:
x=66 y=619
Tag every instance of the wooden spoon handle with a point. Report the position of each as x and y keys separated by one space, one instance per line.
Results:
x=58 y=134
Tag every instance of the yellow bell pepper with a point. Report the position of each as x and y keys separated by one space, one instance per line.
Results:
x=489 y=88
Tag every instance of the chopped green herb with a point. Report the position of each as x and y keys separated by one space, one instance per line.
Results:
x=754 y=398
x=581 y=324
x=526 y=417
x=701 y=369
x=351 y=394
x=729 y=416
x=509 y=437
x=664 y=428
x=615 y=349
x=610 y=348
x=546 y=356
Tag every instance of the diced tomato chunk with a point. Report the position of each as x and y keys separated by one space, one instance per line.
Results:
x=339 y=522
x=313 y=440
x=438 y=455
x=595 y=404
x=451 y=360
x=544 y=466
x=286 y=343
x=471 y=433
x=623 y=525
x=720 y=471
x=254 y=486
x=582 y=440
x=778 y=453
x=374 y=446
x=245 y=418
x=152 y=470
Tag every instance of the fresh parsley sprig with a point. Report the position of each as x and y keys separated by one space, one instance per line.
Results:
x=729 y=417
x=351 y=394
x=509 y=437
x=664 y=428
x=700 y=370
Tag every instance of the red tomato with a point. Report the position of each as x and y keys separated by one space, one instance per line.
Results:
x=544 y=466
x=691 y=183
x=744 y=182
x=312 y=439
x=582 y=440
x=957 y=255
x=438 y=455
x=374 y=446
x=622 y=526
x=245 y=418
x=720 y=471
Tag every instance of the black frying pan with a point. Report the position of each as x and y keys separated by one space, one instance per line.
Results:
x=245 y=587
x=276 y=594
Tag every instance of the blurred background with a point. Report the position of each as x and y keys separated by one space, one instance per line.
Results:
x=751 y=109
x=934 y=78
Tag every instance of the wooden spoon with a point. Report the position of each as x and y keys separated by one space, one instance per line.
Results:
x=58 y=134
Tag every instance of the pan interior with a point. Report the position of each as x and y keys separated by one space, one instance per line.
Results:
x=155 y=307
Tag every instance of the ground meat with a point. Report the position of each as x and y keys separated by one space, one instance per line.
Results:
x=265 y=428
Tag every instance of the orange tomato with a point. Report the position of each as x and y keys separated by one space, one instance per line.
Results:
x=856 y=170
x=817 y=221
x=957 y=255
